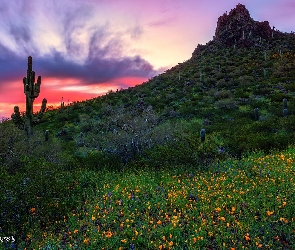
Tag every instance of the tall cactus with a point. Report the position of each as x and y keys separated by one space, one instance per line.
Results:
x=31 y=90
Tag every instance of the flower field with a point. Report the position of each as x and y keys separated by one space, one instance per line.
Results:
x=246 y=204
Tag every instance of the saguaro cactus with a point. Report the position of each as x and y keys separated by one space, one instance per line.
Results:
x=285 y=103
x=31 y=90
x=256 y=114
x=46 y=135
x=16 y=118
x=202 y=134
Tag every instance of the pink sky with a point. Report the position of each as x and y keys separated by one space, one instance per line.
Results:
x=83 y=48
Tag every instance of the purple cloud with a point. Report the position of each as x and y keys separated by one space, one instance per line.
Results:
x=99 y=60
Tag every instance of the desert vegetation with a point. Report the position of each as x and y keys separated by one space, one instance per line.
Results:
x=199 y=157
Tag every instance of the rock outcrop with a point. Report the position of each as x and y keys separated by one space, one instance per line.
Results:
x=239 y=28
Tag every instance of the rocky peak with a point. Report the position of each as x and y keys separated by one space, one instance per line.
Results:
x=239 y=28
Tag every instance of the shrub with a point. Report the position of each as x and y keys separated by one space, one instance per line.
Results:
x=222 y=94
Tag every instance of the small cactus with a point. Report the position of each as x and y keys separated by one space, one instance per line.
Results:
x=256 y=114
x=62 y=105
x=202 y=134
x=285 y=112
x=281 y=54
x=285 y=103
x=17 y=119
x=46 y=135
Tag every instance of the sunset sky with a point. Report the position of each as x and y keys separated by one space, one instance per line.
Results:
x=83 y=48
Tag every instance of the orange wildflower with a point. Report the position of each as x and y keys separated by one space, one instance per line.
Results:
x=86 y=241
x=32 y=210
x=108 y=234
x=269 y=213
x=247 y=237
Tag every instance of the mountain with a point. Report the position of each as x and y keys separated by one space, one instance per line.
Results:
x=247 y=66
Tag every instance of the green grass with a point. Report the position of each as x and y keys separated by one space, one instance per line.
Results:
x=231 y=205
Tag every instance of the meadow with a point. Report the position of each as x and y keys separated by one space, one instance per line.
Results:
x=229 y=204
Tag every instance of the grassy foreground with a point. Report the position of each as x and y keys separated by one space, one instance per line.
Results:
x=246 y=204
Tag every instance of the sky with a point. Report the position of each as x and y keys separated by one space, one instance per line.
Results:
x=84 y=48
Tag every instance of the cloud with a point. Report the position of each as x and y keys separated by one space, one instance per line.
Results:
x=92 y=54
x=168 y=21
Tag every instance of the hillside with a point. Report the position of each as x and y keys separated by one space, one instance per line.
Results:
x=247 y=65
x=239 y=87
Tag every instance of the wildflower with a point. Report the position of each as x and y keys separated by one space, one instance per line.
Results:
x=164 y=238
x=86 y=241
x=32 y=210
x=170 y=243
x=269 y=213
x=170 y=236
x=218 y=209
x=75 y=231
x=247 y=237
x=108 y=234
x=222 y=218
x=195 y=239
x=233 y=209
x=124 y=241
x=93 y=217
x=284 y=220
x=159 y=222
